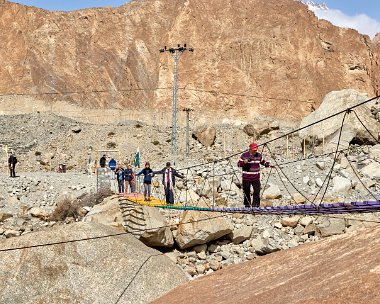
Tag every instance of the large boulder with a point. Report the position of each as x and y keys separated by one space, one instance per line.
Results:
x=241 y=234
x=147 y=221
x=272 y=192
x=107 y=213
x=200 y=228
x=156 y=233
x=260 y=127
x=332 y=226
x=97 y=268
x=374 y=152
x=353 y=130
x=341 y=185
x=205 y=135
x=188 y=195
x=372 y=170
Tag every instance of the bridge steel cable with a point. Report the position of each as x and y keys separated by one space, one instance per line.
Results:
x=107 y=235
x=359 y=178
x=365 y=127
x=265 y=185
x=215 y=210
x=289 y=133
x=135 y=275
x=328 y=177
x=237 y=178
x=278 y=167
x=311 y=157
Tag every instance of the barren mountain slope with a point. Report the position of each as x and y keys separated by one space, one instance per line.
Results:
x=274 y=57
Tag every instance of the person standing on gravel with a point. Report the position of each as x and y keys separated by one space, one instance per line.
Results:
x=102 y=161
x=112 y=166
x=250 y=162
x=148 y=173
x=12 y=161
x=168 y=180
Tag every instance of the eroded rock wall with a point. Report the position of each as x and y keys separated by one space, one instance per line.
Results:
x=251 y=57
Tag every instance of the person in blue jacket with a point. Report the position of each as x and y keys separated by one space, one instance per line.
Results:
x=112 y=166
x=148 y=173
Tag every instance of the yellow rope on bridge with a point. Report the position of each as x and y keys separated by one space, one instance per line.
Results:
x=138 y=198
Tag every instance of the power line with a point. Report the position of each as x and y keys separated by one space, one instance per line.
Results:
x=82 y=92
x=148 y=89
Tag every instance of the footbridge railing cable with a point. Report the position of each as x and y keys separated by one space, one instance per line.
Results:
x=328 y=177
x=358 y=177
x=278 y=168
x=287 y=134
x=135 y=275
x=342 y=206
x=365 y=127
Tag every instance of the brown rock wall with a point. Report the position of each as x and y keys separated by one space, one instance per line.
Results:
x=272 y=57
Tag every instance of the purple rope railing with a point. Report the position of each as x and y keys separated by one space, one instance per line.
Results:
x=353 y=207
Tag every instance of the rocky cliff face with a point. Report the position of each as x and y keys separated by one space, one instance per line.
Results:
x=273 y=57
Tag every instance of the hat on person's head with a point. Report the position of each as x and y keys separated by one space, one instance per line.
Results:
x=253 y=146
x=168 y=164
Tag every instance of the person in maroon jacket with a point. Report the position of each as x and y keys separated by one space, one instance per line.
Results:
x=250 y=162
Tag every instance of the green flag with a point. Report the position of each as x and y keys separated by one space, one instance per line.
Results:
x=137 y=158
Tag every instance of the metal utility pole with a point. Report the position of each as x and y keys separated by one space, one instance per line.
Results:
x=187 y=110
x=176 y=54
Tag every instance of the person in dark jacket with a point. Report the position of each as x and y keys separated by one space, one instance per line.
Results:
x=12 y=161
x=119 y=173
x=168 y=180
x=102 y=161
x=148 y=173
x=250 y=162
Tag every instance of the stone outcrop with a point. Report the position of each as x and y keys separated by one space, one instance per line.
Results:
x=156 y=233
x=259 y=128
x=200 y=228
x=205 y=135
x=95 y=271
x=269 y=57
x=146 y=223
x=106 y=213
x=353 y=130
x=332 y=267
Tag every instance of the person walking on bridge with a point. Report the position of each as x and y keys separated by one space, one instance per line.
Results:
x=148 y=173
x=250 y=162
x=168 y=180
x=129 y=177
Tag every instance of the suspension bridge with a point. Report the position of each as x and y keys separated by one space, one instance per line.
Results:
x=313 y=206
